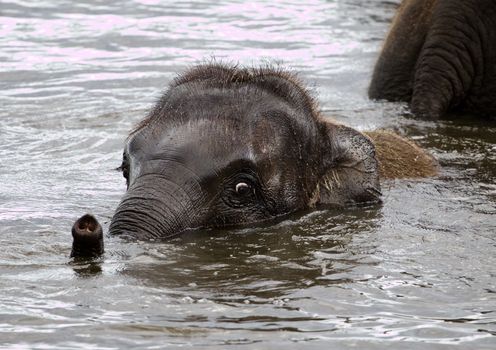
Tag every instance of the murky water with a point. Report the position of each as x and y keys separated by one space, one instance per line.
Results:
x=417 y=273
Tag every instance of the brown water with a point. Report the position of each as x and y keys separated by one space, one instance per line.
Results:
x=417 y=273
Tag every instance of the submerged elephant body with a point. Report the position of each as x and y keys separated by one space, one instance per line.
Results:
x=440 y=55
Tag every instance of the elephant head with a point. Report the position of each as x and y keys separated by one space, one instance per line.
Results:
x=228 y=146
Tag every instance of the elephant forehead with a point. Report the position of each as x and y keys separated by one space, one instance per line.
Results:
x=216 y=139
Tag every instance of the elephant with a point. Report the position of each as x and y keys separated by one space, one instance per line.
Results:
x=227 y=146
x=440 y=56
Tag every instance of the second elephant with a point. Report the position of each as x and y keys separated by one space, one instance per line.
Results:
x=440 y=55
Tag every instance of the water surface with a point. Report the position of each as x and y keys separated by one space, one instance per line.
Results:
x=417 y=273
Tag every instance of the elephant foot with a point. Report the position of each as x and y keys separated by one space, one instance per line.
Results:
x=87 y=238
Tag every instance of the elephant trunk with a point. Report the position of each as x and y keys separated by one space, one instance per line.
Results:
x=87 y=238
x=154 y=207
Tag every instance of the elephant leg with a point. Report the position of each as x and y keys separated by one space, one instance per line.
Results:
x=450 y=59
x=393 y=74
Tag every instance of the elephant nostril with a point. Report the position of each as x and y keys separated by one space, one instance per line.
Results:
x=87 y=223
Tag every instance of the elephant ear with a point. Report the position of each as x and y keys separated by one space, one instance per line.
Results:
x=351 y=170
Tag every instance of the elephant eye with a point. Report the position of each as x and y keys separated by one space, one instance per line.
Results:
x=243 y=189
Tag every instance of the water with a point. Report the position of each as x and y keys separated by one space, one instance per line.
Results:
x=417 y=273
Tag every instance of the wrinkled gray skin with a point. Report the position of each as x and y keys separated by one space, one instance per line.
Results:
x=440 y=55
x=226 y=146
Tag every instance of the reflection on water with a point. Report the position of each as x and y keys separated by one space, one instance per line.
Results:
x=263 y=262
x=418 y=272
